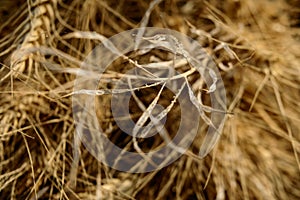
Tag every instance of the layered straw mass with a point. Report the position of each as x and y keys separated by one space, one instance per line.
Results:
x=254 y=44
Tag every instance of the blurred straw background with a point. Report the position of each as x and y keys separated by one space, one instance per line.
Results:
x=255 y=45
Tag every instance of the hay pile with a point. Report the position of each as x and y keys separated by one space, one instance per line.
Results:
x=255 y=45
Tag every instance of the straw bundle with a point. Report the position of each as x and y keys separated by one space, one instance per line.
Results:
x=255 y=47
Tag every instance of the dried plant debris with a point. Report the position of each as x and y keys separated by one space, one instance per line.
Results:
x=44 y=46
